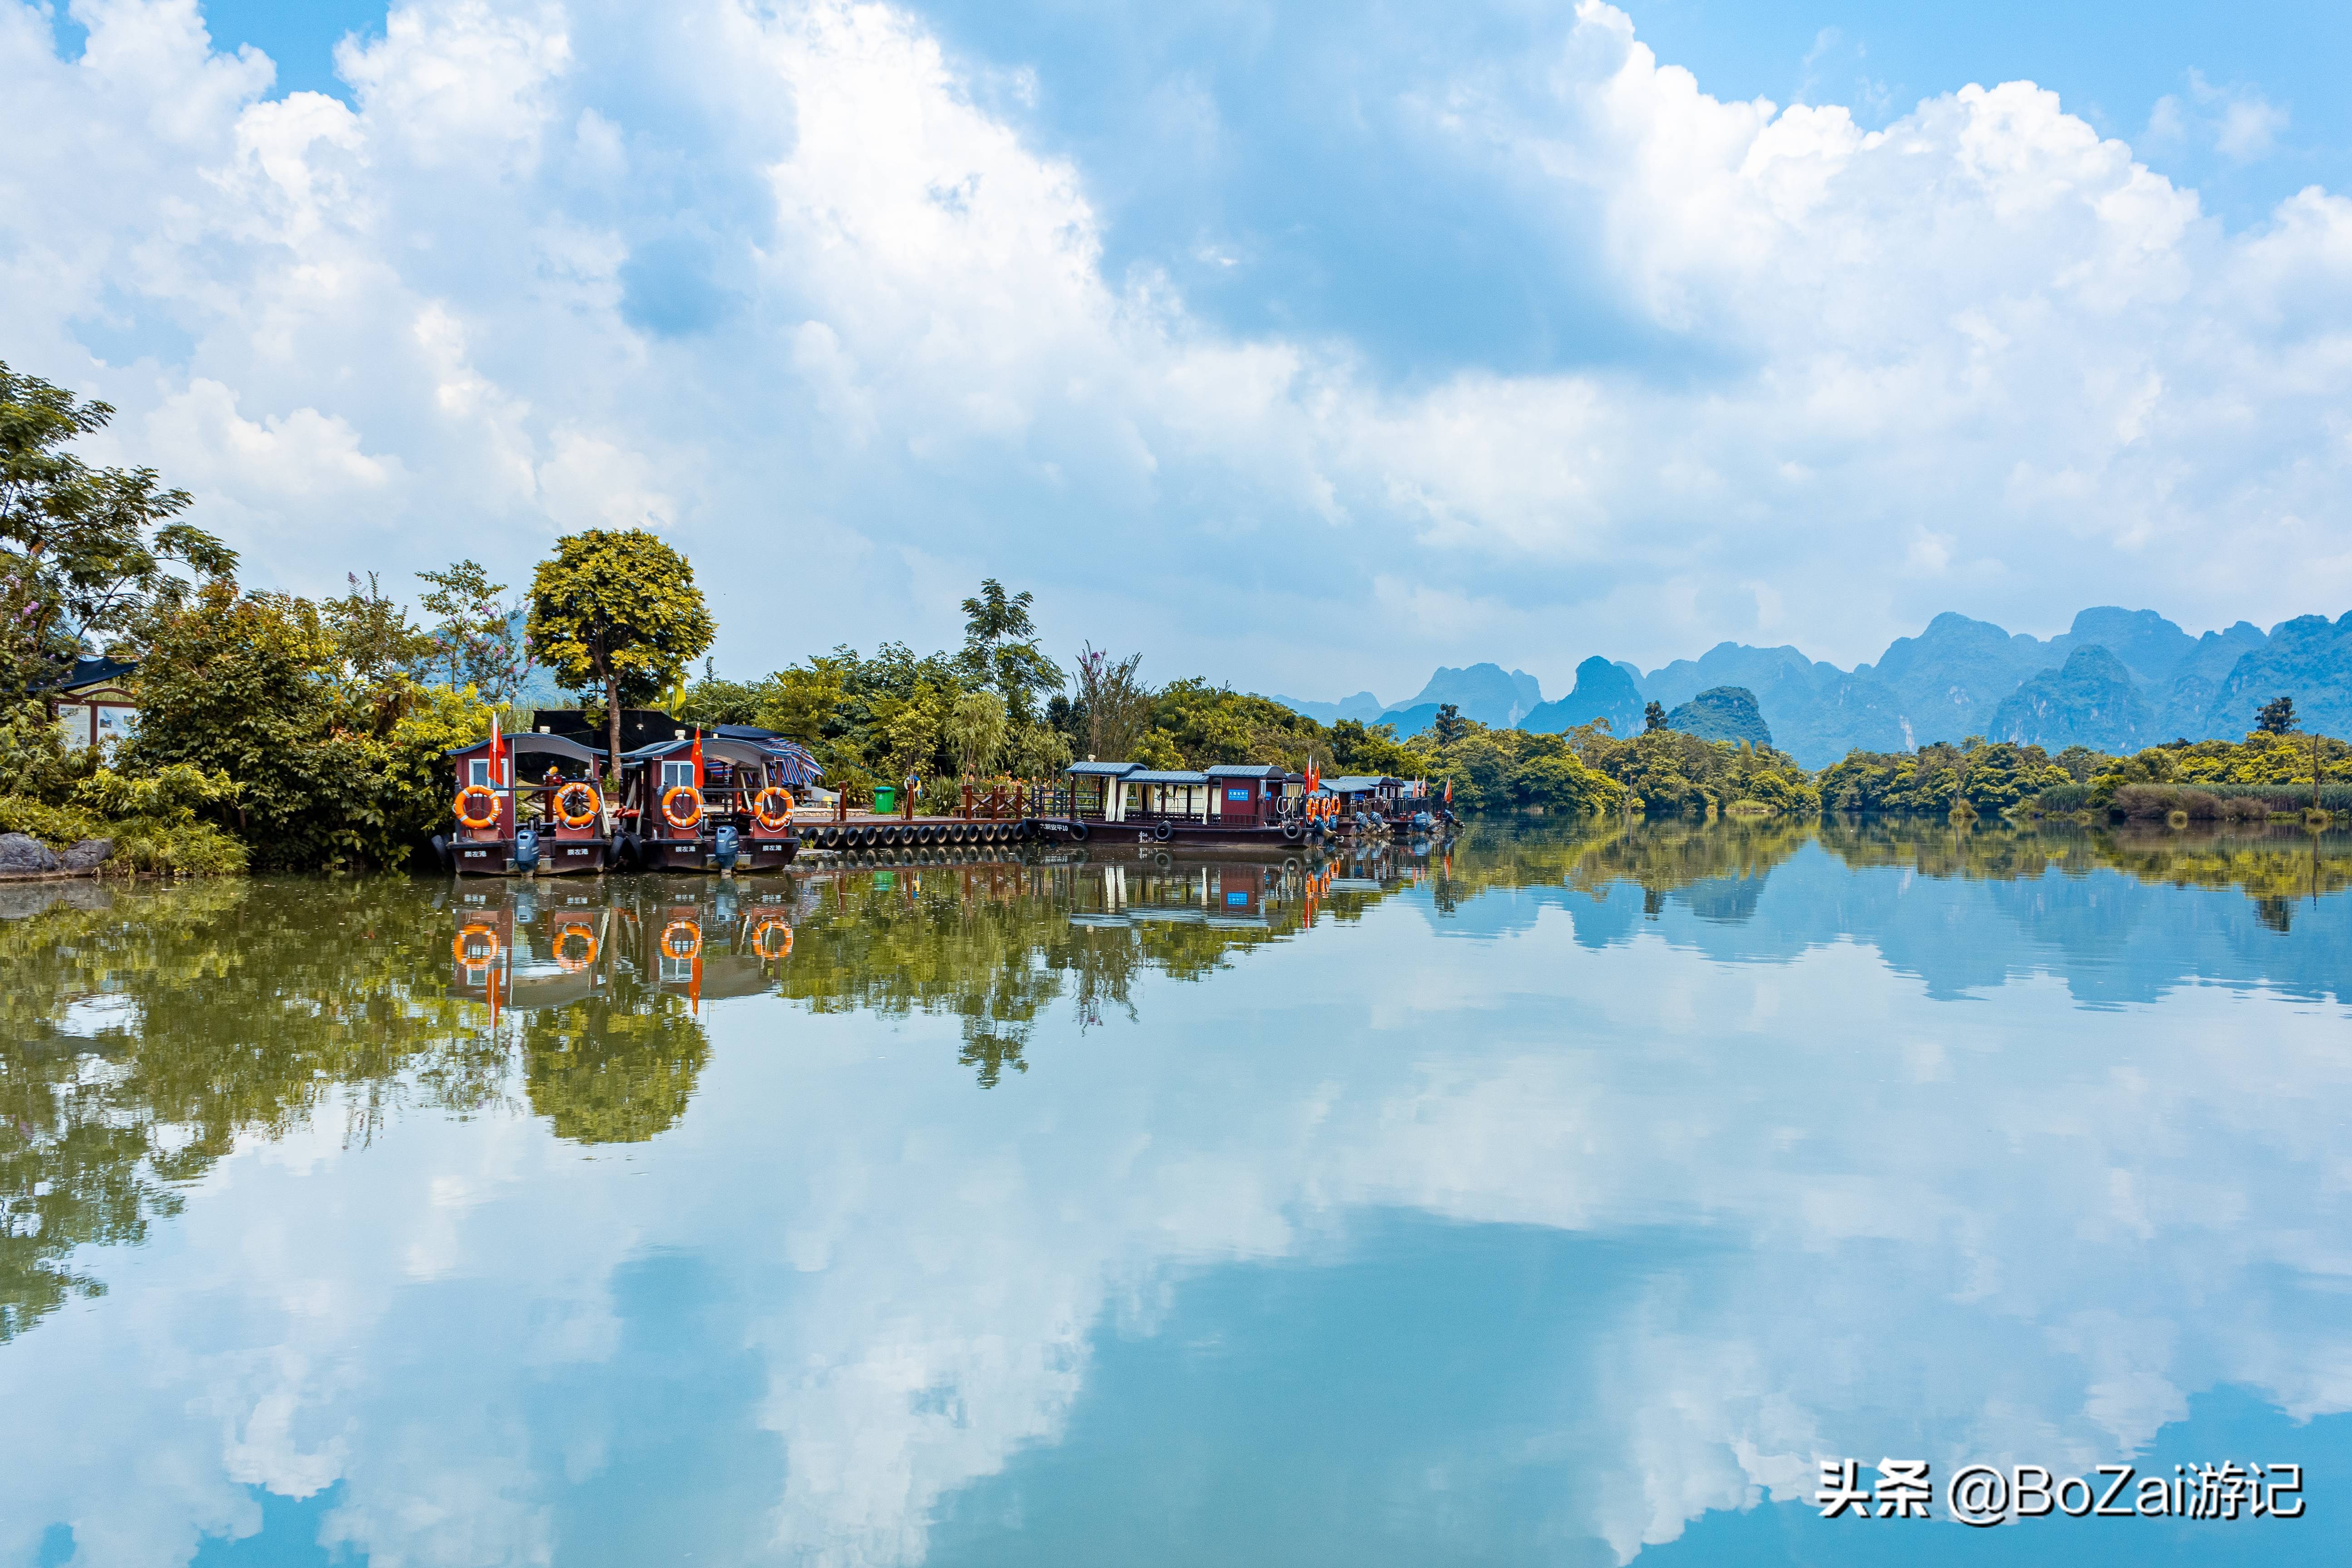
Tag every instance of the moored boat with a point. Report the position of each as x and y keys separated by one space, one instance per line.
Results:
x=705 y=802
x=1232 y=804
x=510 y=824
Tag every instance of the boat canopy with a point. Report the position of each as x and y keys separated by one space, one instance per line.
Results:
x=1247 y=771
x=1101 y=770
x=716 y=748
x=530 y=743
x=1355 y=784
x=1166 y=777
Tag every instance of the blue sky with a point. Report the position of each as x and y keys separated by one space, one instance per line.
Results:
x=1262 y=337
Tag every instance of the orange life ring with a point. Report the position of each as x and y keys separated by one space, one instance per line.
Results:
x=457 y=945
x=774 y=821
x=671 y=816
x=586 y=813
x=571 y=929
x=762 y=947
x=693 y=937
x=490 y=812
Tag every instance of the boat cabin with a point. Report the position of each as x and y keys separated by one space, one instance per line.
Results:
x=1248 y=794
x=1176 y=794
x=1095 y=789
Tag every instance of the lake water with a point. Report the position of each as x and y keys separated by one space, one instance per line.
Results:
x=1568 y=1199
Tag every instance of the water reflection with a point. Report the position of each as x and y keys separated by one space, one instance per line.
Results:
x=1566 y=1196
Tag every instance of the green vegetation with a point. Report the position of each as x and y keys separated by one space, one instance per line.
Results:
x=83 y=550
x=1941 y=779
x=615 y=614
x=334 y=747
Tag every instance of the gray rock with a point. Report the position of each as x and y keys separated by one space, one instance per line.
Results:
x=20 y=853
x=86 y=856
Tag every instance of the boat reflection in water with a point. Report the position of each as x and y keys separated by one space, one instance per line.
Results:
x=524 y=948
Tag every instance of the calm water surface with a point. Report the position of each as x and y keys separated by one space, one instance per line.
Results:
x=1567 y=1200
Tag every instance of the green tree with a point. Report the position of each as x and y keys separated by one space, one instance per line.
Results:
x=83 y=550
x=1114 y=703
x=616 y=614
x=1654 y=716
x=711 y=701
x=2276 y=717
x=799 y=704
x=474 y=636
x=1359 y=748
x=1000 y=651
x=1040 y=753
x=338 y=754
x=1451 y=726
x=975 y=727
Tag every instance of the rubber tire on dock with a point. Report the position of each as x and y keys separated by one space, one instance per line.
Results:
x=1162 y=831
x=1290 y=832
x=1077 y=833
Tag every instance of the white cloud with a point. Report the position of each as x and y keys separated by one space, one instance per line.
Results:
x=784 y=268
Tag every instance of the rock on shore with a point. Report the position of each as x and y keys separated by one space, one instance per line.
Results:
x=20 y=854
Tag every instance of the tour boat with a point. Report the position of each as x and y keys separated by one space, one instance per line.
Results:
x=510 y=824
x=705 y=802
x=1230 y=805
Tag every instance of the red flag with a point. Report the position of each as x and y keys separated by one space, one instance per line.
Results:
x=1313 y=778
x=1449 y=792
x=497 y=775
x=698 y=757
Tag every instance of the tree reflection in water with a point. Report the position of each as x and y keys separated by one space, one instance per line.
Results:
x=144 y=1031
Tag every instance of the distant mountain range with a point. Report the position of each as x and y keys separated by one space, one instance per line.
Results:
x=2117 y=679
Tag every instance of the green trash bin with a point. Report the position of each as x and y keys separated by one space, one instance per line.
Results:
x=886 y=800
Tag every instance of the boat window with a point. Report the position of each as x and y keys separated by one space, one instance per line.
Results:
x=478 y=771
x=676 y=773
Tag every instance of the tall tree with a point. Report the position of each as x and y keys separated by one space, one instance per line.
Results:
x=615 y=612
x=82 y=550
x=2276 y=717
x=1450 y=725
x=975 y=727
x=1115 y=703
x=1000 y=651
x=1653 y=717
x=474 y=633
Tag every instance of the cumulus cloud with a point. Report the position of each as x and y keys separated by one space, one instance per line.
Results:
x=786 y=281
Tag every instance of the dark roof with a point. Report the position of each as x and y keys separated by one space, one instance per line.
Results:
x=547 y=746
x=1103 y=770
x=1353 y=784
x=1166 y=777
x=92 y=672
x=1246 y=770
x=742 y=732
x=713 y=746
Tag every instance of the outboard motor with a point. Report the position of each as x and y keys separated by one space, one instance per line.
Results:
x=1421 y=820
x=726 y=847
x=525 y=854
